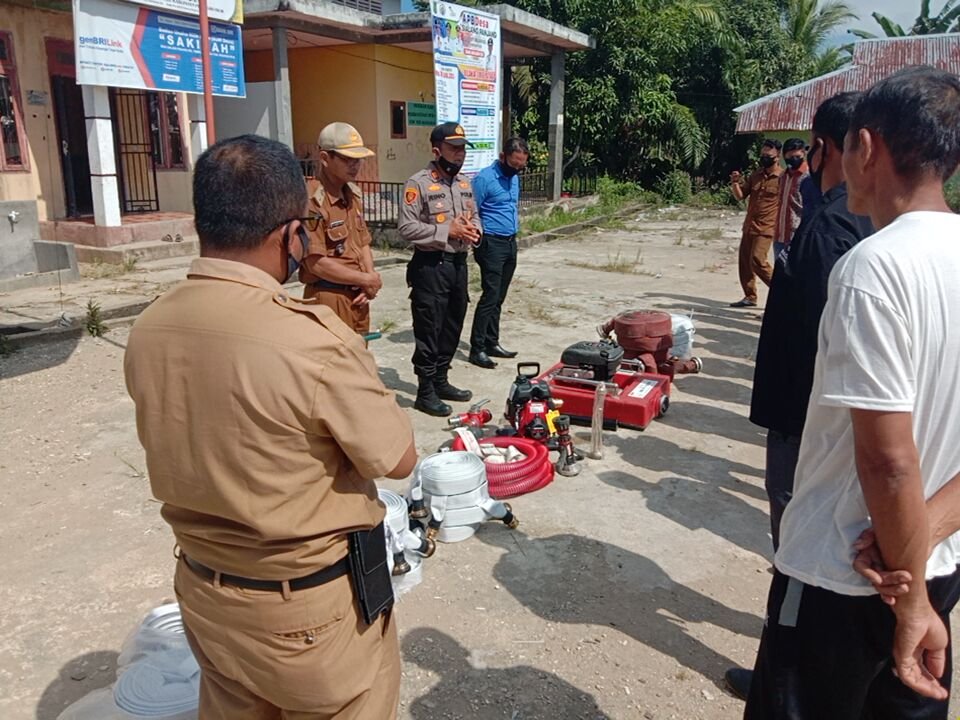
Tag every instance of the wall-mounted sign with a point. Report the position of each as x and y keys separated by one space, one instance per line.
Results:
x=466 y=69
x=421 y=114
x=36 y=97
x=226 y=10
x=122 y=45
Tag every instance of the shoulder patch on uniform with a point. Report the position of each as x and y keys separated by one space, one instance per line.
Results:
x=410 y=195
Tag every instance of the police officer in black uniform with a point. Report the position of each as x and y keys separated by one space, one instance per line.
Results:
x=438 y=217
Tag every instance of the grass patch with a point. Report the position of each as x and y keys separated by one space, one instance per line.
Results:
x=98 y=270
x=708 y=234
x=541 y=314
x=388 y=325
x=615 y=263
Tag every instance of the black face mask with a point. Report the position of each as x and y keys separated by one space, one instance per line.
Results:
x=794 y=162
x=767 y=161
x=508 y=170
x=292 y=263
x=450 y=168
x=817 y=175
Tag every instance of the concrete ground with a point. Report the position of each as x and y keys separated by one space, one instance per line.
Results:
x=625 y=592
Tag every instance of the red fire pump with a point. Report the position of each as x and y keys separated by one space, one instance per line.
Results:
x=634 y=397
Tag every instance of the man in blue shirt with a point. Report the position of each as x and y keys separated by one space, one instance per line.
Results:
x=496 y=191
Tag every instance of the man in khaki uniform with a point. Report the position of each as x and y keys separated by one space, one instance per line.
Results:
x=438 y=217
x=763 y=190
x=338 y=270
x=264 y=425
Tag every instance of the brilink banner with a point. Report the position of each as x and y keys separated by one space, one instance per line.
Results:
x=123 y=45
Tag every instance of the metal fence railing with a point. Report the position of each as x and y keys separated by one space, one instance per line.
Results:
x=381 y=202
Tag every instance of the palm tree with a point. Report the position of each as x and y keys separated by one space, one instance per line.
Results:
x=809 y=25
x=946 y=21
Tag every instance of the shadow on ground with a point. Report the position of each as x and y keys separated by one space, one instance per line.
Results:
x=713 y=420
x=33 y=358
x=77 y=678
x=521 y=692
x=574 y=579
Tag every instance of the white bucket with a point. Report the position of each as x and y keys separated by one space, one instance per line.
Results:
x=683 y=332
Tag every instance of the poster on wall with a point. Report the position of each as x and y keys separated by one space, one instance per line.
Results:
x=123 y=45
x=466 y=68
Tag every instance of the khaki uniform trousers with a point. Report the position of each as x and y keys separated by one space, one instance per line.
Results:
x=307 y=657
x=340 y=301
x=754 y=263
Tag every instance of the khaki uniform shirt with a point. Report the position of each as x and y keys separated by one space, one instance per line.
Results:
x=762 y=190
x=342 y=233
x=263 y=420
x=430 y=202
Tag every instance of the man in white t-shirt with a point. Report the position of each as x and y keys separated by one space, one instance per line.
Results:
x=882 y=436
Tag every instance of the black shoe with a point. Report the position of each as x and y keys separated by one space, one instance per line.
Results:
x=498 y=351
x=744 y=303
x=481 y=359
x=446 y=391
x=738 y=681
x=429 y=402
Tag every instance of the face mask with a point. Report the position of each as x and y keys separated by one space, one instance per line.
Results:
x=794 y=162
x=292 y=263
x=450 y=168
x=767 y=161
x=817 y=175
x=508 y=170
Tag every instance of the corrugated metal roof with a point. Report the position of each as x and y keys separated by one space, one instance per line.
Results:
x=793 y=108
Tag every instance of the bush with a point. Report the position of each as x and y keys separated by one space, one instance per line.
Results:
x=676 y=187
x=952 y=191
x=615 y=192
x=718 y=198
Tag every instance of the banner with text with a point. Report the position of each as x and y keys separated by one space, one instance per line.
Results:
x=122 y=45
x=466 y=67
x=230 y=11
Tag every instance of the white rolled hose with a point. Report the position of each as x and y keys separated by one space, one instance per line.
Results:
x=454 y=487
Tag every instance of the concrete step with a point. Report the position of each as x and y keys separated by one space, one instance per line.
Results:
x=140 y=251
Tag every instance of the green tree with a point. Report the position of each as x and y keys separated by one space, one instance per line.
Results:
x=946 y=21
x=809 y=24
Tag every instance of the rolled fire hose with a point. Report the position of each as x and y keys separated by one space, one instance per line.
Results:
x=509 y=480
x=164 y=682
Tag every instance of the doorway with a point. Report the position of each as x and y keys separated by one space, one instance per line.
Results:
x=67 y=101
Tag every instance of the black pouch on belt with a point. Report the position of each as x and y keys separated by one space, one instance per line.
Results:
x=370 y=573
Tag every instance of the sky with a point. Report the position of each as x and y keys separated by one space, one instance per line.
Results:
x=903 y=12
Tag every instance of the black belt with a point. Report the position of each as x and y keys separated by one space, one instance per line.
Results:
x=439 y=256
x=320 y=577
x=500 y=237
x=327 y=285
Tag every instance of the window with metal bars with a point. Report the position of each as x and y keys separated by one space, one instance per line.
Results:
x=13 y=150
x=164 y=109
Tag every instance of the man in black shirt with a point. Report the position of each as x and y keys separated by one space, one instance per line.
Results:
x=787 y=351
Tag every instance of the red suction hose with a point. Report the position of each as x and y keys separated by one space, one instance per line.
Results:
x=508 y=480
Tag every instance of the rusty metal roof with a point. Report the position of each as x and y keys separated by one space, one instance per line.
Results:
x=873 y=60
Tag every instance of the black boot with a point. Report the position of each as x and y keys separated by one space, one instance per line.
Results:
x=427 y=400
x=446 y=391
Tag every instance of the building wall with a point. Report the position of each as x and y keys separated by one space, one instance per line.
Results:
x=402 y=75
x=44 y=181
x=355 y=84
